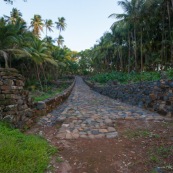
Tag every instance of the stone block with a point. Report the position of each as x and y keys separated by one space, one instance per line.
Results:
x=2 y=96
x=5 y=87
x=40 y=105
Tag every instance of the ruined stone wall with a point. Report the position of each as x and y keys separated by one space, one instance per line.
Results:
x=14 y=100
x=42 y=108
x=154 y=96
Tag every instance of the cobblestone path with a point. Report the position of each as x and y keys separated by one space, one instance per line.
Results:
x=87 y=114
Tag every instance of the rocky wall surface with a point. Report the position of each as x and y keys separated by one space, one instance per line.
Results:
x=154 y=96
x=14 y=100
x=42 y=108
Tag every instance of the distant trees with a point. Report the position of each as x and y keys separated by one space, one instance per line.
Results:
x=37 y=25
x=61 y=25
x=48 y=23
x=141 y=38
x=14 y=16
x=37 y=59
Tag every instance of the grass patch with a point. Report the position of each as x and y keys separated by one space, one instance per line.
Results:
x=51 y=91
x=159 y=156
x=20 y=153
x=59 y=159
x=164 y=151
x=140 y=133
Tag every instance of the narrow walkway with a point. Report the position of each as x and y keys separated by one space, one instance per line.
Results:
x=88 y=114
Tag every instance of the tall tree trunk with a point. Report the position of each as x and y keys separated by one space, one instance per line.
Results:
x=38 y=77
x=129 y=53
x=135 y=49
x=46 y=33
x=120 y=58
x=170 y=35
x=42 y=66
x=141 y=51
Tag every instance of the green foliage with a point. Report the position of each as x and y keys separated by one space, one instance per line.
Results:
x=59 y=159
x=154 y=159
x=48 y=92
x=36 y=59
x=140 y=38
x=23 y=153
x=164 y=151
x=169 y=73
x=125 y=77
x=140 y=133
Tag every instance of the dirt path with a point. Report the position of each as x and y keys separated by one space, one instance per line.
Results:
x=97 y=134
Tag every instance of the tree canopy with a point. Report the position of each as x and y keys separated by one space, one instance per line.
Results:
x=22 y=47
x=140 y=39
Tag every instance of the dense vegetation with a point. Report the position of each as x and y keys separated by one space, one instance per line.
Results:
x=133 y=77
x=141 y=39
x=22 y=154
x=39 y=60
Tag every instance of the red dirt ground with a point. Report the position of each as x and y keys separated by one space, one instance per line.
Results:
x=142 y=147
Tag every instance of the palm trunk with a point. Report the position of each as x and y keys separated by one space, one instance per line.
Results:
x=121 y=58
x=170 y=35
x=141 y=51
x=38 y=76
x=135 y=49
x=46 y=33
x=129 y=54
x=44 y=76
x=6 y=61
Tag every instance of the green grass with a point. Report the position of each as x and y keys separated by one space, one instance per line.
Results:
x=133 y=77
x=59 y=159
x=20 y=153
x=164 y=151
x=140 y=133
x=158 y=155
x=47 y=94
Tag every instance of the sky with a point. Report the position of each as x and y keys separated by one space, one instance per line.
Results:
x=86 y=20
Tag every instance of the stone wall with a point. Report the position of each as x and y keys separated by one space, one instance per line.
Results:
x=42 y=108
x=154 y=96
x=17 y=107
x=14 y=100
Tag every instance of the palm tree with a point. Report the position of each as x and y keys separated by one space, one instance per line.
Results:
x=39 y=53
x=48 y=24
x=60 y=40
x=2 y=21
x=61 y=25
x=132 y=9
x=15 y=15
x=37 y=25
x=10 y=38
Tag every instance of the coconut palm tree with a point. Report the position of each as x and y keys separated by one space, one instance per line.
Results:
x=11 y=37
x=39 y=53
x=2 y=21
x=15 y=15
x=37 y=25
x=61 y=25
x=132 y=14
x=48 y=25
x=60 y=40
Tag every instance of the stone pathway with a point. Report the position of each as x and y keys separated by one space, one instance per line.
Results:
x=87 y=114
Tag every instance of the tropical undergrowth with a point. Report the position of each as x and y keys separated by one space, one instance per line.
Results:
x=133 y=77
x=48 y=92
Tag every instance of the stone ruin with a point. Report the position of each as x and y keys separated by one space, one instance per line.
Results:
x=15 y=104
